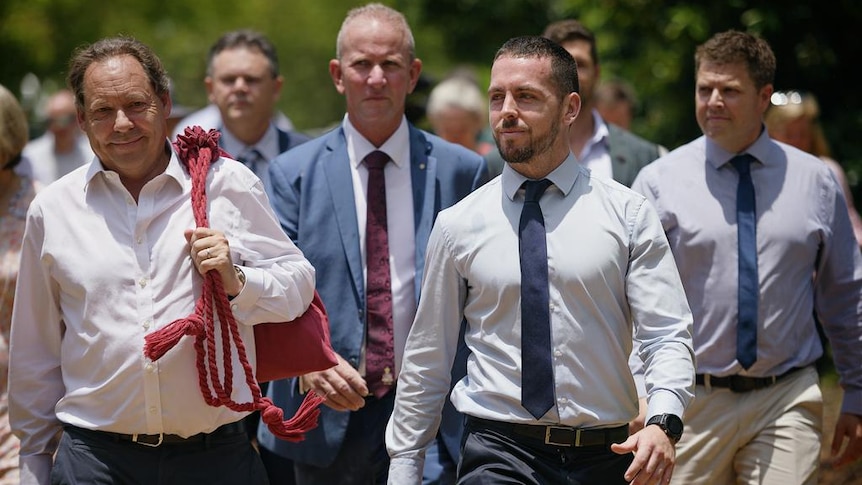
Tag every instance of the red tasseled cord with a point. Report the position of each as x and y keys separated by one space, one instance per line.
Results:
x=196 y=148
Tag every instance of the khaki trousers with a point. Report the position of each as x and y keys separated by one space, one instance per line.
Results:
x=770 y=436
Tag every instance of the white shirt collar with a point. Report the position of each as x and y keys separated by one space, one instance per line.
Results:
x=267 y=146
x=397 y=146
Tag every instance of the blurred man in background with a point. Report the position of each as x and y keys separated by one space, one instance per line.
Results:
x=63 y=147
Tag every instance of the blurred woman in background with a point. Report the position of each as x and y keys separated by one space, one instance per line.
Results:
x=793 y=118
x=16 y=192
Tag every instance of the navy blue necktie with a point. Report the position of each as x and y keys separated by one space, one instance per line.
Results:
x=537 y=375
x=254 y=160
x=749 y=287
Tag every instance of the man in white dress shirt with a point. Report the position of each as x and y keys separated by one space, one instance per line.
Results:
x=609 y=271
x=111 y=254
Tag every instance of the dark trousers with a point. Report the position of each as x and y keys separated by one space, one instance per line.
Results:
x=279 y=470
x=87 y=457
x=489 y=457
x=362 y=459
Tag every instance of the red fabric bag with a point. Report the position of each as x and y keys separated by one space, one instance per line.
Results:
x=295 y=348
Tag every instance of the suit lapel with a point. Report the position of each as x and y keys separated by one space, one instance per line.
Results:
x=283 y=140
x=340 y=185
x=423 y=174
x=621 y=166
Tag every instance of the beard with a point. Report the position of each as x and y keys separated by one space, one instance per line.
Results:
x=537 y=144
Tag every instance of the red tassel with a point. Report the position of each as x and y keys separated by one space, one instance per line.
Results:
x=295 y=428
x=159 y=342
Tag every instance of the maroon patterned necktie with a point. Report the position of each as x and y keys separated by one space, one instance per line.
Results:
x=379 y=348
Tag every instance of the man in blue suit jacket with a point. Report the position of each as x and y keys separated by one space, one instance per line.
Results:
x=319 y=193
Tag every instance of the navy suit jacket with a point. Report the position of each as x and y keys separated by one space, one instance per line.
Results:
x=312 y=194
x=286 y=140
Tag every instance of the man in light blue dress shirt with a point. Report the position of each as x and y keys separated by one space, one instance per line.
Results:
x=758 y=423
x=610 y=272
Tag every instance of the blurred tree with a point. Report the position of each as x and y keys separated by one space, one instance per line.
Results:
x=651 y=43
x=648 y=42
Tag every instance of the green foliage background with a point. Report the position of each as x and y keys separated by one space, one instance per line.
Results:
x=648 y=42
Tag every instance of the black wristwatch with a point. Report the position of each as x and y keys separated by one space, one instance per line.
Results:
x=670 y=424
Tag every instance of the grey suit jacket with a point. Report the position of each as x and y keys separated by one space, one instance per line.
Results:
x=629 y=154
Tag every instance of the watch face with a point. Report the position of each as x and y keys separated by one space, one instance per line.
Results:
x=674 y=424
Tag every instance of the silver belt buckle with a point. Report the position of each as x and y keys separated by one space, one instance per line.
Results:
x=549 y=440
x=151 y=445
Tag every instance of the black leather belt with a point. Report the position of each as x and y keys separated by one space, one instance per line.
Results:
x=562 y=436
x=737 y=383
x=154 y=440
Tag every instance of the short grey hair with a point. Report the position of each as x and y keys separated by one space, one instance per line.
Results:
x=457 y=92
x=380 y=12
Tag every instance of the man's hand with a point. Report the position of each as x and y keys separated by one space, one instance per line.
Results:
x=654 y=456
x=210 y=250
x=848 y=434
x=343 y=387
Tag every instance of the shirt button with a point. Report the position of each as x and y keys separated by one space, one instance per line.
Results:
x=558 y=353
x=150 y=367
x=563 y=400
x=234 y=307
x=146 y=325
x=142 y=282
x=153 y=410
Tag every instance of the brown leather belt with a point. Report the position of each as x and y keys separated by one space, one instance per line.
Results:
x=737 y=383
x=154 y=440
x=562 y=436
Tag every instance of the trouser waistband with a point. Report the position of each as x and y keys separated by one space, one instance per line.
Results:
x=154 y=440
x=560 y=436
x=737 y=383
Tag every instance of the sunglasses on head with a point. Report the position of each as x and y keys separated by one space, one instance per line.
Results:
x=782 y=98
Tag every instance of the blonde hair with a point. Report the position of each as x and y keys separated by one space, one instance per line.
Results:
x=787 y=106
x=13 y=127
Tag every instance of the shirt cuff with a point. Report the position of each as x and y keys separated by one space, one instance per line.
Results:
x=406 y=471
x=664 y=402
x=250 y=293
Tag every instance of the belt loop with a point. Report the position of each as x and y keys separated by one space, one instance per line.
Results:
x=707 y=382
